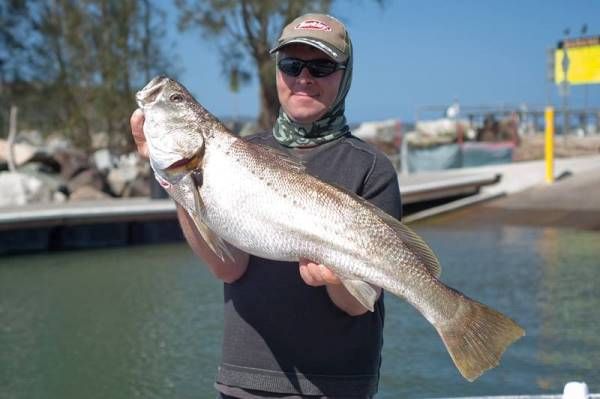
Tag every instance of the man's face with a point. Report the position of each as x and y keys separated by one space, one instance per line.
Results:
x=305 y=98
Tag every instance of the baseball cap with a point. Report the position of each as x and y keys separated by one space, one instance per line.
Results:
x=321 y=31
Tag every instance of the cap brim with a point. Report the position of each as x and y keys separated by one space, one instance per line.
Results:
x=331 y=51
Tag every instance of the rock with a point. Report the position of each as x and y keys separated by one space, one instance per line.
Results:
x=47 y=175
x=57 y=142
x=103 y=160
x=117 y=182
x=21 y=189
x=59 y=197
x=71 y=162
x=126 y=172
x=23 y=152
x=88 y=193
x=140 y=187
x=87 y=178
x=100 y=140
x=32 y=137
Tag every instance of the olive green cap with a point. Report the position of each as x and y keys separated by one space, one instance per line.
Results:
x=321 y=31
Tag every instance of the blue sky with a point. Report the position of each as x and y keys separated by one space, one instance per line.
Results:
x=411 y=54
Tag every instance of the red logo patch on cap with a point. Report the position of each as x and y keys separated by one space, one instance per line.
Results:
x=313 y=24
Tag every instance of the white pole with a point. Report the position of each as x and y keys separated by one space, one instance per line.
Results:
x=12 y=134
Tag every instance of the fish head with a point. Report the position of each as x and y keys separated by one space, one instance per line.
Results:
x=171 y=127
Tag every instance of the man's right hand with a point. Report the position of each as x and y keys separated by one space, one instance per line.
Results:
x=229 y=270
x=137 y=131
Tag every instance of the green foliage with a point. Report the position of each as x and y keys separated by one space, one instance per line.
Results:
x=244 y=31
x=84 y=61
x=11 y=25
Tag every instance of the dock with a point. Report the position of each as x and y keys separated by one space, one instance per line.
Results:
x=118 y=222
x=415 y=189
x=517 y=191
x=522 y=197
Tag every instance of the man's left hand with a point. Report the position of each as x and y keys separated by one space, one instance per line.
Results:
x=317 y=275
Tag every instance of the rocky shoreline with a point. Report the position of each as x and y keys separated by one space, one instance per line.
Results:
x=53 y=171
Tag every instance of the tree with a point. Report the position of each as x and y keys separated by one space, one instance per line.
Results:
x=245 y=30
x=85 y=60
x=13 y=25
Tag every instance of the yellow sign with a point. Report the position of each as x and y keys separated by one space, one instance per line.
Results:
x=583 y=61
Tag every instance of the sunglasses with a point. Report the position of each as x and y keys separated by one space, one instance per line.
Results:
x=317 y=68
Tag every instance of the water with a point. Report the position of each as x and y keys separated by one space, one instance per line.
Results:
x=146 y=321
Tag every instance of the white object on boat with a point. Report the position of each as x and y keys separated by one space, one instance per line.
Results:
x=572 y=390
x=576 y=390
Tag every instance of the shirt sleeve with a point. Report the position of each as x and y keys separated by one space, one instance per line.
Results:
x=381 y=187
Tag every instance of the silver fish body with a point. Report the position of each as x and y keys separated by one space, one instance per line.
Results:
x=265 y=203
x=277 y=211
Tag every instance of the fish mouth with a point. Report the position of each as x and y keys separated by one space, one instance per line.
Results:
x=180 y=163
x=185 y=163
x=151 y=91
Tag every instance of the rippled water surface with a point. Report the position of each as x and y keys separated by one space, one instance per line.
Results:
x=146 y=321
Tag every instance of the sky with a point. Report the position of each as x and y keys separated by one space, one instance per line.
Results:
x=414 y=54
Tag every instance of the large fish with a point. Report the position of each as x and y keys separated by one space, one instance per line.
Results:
x=263 y=202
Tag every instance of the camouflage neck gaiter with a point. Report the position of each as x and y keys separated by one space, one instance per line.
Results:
x=331 y=126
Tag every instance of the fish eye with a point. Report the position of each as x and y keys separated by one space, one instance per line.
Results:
x=176 y=97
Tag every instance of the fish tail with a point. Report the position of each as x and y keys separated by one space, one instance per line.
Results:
x=477 y=336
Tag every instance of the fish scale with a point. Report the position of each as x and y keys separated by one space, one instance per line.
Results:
x=266 y=204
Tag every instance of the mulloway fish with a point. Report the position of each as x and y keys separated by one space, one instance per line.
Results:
x=263 y=202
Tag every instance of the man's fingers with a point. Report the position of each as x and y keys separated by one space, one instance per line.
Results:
x=307 y=276
x=328 y=275
x=311 y=274
x=137 y=131
x=137 y=125
x=315 y=274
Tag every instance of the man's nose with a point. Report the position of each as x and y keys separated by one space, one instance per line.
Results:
x=305 y=75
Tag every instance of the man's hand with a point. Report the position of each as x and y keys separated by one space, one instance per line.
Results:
x=137 y=131
x=317 y=275
x=229 y=270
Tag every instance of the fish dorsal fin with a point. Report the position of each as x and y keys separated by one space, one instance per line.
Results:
x=411 y=239
x=279 y=158
x=419 y=248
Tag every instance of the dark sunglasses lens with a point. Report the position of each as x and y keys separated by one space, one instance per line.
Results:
x=290 y=66
x=321 y=68
x=317 y=68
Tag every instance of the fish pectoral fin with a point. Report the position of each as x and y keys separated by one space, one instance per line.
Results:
x=214 y=242
x=362 y=291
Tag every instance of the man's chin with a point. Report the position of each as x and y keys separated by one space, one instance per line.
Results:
x=306 y=114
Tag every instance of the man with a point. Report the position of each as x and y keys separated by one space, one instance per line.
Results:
x=292 y=330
